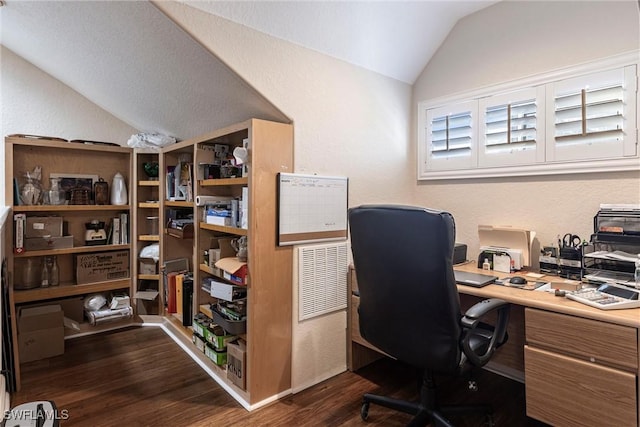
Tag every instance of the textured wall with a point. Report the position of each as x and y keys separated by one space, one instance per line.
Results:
x=35 y=103
x=32 y=102
x=543 y=36
x=347 y=121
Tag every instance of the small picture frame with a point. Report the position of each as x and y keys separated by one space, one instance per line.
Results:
x=70 y=181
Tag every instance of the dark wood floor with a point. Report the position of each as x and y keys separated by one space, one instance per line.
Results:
x=140 y=377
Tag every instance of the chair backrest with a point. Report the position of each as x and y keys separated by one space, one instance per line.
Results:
x=409 y=303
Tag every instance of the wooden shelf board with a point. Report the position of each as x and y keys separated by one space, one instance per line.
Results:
x=67 y=290
x=88 y=329
x=206 y=310
x=179 y=204
x=224 y=181
x=223 y=229
x=207 y=269
x=67 y=208
x=149 y=276
x=149 y=205
x=149 y=237
x=57 y=143
x=149 y=183
x=74 y=250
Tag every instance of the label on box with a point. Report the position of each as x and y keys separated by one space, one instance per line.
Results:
x=102 y=266
x=39 y=226
x=236 y=361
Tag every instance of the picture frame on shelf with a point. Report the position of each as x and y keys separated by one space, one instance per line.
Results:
x=70 y=181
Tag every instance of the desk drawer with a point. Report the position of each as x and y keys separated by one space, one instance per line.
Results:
x=564 y=391
x=592 y=340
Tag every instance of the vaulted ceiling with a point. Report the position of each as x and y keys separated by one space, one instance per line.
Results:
x=131 y=60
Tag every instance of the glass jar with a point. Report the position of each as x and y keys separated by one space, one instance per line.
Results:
x=101 y=192
x=54 y=272
x=55 y=195
x=30 y=274
x=45 y=275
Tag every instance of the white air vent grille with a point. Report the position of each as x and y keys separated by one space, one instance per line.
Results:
x=322 y=278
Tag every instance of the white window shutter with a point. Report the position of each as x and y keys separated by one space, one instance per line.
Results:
x=449 y=137
x=592 y=116
x=512 y=128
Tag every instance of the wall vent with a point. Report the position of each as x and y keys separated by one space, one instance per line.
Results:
x=322 y=279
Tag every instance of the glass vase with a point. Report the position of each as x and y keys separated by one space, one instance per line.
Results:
x=55 y=195
x=31 y=190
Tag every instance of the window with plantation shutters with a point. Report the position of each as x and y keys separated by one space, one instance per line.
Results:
x=593 y=116
x=449 y=136
x=511 y=128
x=581 y=119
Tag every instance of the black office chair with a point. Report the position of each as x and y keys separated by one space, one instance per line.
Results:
x=409 y=303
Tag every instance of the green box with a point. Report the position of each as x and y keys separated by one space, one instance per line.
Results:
x=198 y=341
x=217 y=336
x=218 y=357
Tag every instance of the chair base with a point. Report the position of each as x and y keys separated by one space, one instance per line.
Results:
x=424 y=415
x=426 y=410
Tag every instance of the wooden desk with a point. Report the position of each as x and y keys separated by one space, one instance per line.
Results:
x=580 y=365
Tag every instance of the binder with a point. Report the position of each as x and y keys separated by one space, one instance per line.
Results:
x=171 y=298
x=179 y=281
x=187 y=301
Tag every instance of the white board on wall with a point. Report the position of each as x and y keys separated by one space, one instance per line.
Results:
x=311 y=208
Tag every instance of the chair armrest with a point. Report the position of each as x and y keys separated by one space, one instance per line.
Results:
x=472 y=318
x=480 y=309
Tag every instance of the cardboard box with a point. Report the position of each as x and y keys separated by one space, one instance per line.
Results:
x=46 y=243
x=102 y=266
x=198 y=341
x=233 y=270
x=39 y=226
x=237 y=362
x=148 y=266
x=226 y=291
x=217 y=336
x=219 y=357
x=72 y=307
x=40 y=332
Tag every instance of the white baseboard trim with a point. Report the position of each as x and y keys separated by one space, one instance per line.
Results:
x=198 y=357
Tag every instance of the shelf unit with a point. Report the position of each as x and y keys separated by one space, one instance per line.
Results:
x=146 y=230
x=269 y=305
x=269 y=301
x=174 y=244
x=55 y=156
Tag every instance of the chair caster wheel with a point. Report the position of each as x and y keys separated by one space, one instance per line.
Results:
x=489 y=421
x=364 y=411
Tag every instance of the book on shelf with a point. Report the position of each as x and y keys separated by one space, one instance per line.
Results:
x=170 y=188
x=124 y=228
x=171 y=294
x=245 y=166
x=179 y=290
x=244 y=208
x=115 y=235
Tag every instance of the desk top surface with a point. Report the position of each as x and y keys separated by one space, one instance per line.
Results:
x=546 y=300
